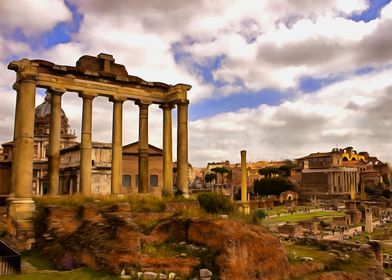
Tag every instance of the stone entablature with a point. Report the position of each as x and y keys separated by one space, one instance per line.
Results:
x=98 y=76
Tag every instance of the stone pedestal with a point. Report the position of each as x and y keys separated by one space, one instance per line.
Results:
x=244 y=208
x=368 y=219
x=20 y=224
x=351 y=209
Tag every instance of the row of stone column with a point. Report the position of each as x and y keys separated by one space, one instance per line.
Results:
x=24 y=137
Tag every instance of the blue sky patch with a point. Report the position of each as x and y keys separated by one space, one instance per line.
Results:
x=310 y=84
x=373 y=12
x=234 y=102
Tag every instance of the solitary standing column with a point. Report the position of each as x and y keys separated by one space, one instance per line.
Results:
x=167 y=149
x=86 y=146
x=182 y=147
x=117 y=145
x=244 y=190
x=143 y=146
x=54 y=140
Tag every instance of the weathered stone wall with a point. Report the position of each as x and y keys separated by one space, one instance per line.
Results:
x=5 y=178
x=313 y=183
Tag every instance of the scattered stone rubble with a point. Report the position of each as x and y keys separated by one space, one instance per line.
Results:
x=204 y=274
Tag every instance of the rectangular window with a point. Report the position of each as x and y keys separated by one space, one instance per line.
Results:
x=153 y=180
x=126 y=181
x=137 y=181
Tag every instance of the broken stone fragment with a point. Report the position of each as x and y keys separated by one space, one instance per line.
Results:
x=204 y=272
x=149 y=275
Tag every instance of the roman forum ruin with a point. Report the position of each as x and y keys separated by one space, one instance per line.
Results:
x=91 y=77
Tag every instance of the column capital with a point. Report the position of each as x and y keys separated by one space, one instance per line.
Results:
x=117 y=99
x=28 y=77
x=183 y=102
x=56 y=91
x=87 y=95
x=143 y=103
x=166 y=106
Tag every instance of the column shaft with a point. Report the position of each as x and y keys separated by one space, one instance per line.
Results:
x=54 y=141
x=117 y=147
x=86 y=146
x=182 y=147
x=143 y=148
x=244 y=189
x=167 y=149
x=23 y=151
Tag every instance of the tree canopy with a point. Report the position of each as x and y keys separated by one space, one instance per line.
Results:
x=269 y=171
x=209 y=177
x=220 y=170
x=274 y=186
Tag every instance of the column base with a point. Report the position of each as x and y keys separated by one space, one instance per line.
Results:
x=244 y=208
x=185 y=195
x=20 y=223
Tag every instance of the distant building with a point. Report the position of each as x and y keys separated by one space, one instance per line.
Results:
x=337 y=173
x=101 y=169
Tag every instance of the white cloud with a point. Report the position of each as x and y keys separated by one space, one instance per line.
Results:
x=316 y=122
x=32 y=17
x=262 y=44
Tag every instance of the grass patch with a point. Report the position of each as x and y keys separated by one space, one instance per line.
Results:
x=307 y=251
x=36 y=259
x=76 y=274
x=173 y=250
x=138 y=203
x=355 y=263
x=306 y=216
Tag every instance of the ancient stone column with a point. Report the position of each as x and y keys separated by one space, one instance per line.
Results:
x=116 y=179
x=143 y=147
x=20 y=206
x=167 y=149
x=54 y=140
x=23 y=151
x=243 y=177
x=352 y=191
x=86 y=145
x=182 y=147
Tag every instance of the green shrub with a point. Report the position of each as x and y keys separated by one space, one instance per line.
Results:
x=275 y=186
x=387 y=193
x=259 y=214
x=215 y=203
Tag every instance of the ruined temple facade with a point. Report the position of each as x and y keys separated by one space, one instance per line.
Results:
x=339 y=173
x=90 y=77
x=70 y=161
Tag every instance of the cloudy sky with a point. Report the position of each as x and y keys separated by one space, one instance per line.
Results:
x=279 y=78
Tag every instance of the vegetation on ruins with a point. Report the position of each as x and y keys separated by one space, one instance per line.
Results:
x=272 y=186
x=215 y=203
x=209 y=177
x=283 y=170
x=269 y=172
x=220 y=170
x=258 y=215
